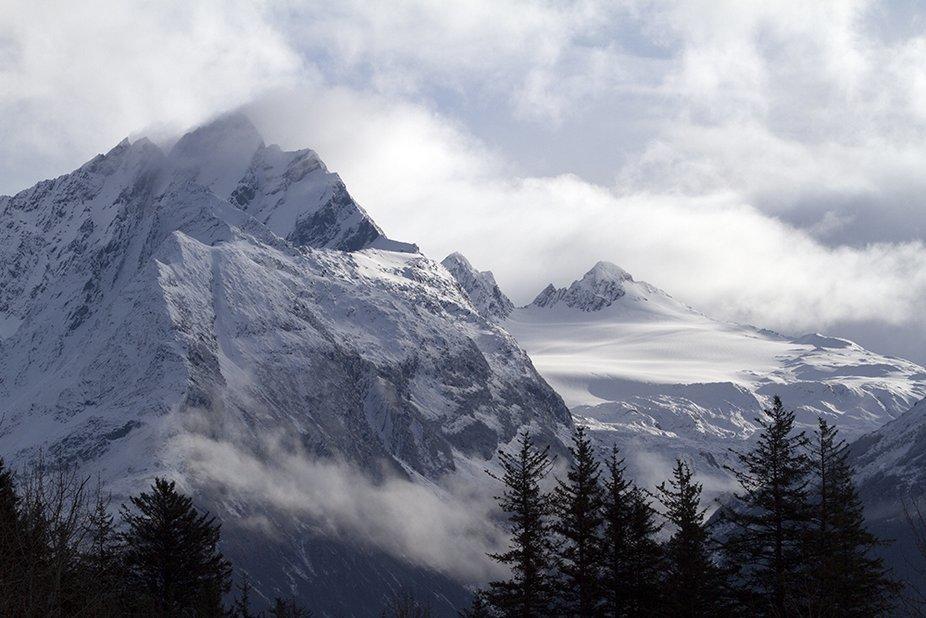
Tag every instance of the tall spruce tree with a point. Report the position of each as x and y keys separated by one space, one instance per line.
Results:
x=615 y=549
x=693 y=582
x=845 y=578
x=770 y=521
x=172 y=555
x=579 y=507
x=530 y=591
x=644 y=558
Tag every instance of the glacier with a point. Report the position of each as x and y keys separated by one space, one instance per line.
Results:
x=660 y=380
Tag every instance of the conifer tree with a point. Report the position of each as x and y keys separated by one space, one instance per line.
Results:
x=693 y=583
x=579 y=505
x=615 y=570
x=241 y=608
x=100 y=558
x=644 y=557
x=846 y=579
x=172 y=555
x=529 y=592
x=769 y=524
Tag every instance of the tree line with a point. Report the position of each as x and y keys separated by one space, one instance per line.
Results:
x=791 y=542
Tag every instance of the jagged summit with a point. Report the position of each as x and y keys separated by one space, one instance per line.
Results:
x=600 y=287
x=480 y=287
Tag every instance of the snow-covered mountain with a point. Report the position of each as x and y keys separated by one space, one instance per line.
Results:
x=659 y=378
x=226 y=306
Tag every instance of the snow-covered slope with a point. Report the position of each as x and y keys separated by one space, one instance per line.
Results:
x=659 y=378
x=153 y=305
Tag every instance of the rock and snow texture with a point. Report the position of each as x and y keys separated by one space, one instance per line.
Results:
x=480 y=288
x=660 y=379
x=226 y=291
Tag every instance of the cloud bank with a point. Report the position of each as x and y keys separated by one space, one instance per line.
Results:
x=448 y=528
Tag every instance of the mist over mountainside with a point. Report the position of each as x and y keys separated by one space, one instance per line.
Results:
x=225 y=314
x=890 y=468
x=660 y=379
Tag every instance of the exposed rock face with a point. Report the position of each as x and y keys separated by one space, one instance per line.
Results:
x=597 y=289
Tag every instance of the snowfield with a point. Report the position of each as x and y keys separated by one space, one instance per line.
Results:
x=660 y=379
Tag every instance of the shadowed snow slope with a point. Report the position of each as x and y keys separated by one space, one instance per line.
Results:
x=660 y=379
x=227 y=306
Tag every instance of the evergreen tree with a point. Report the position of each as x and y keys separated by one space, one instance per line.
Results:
x=171 y=553
x=693 y=583
x=529 y=592
x=615 y=550
x=644 y=556
x=770 y=522
x=579 y=504
x=846 y=579
x=241 y=608
x=101 y=558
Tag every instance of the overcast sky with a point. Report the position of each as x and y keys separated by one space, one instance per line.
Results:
x=762 y=161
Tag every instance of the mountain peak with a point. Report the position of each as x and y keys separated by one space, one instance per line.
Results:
x=607 y=271
x=598 y=288
x=217 y=154
x=480 y=287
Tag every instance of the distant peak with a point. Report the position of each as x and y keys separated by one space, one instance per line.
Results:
x=457 y=258
x=480 y=287
x=608 y=271
x=597 y=289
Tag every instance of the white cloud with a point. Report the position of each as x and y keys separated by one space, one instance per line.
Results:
x=78 y=78
x=424 y=180
x=448 y=528
x=766 y=158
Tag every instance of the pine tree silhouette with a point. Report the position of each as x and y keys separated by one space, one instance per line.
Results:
x=644 y=557
x=846 y=579
x=101 y=559
x=579 y=506
x=171 y=553
x=529 y=592
x=615 y=550
x=770 y=522
x=241 y=608
x=693 y=583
